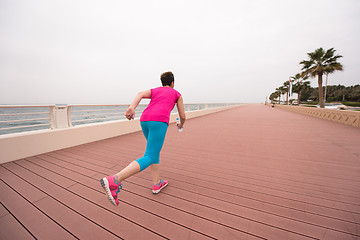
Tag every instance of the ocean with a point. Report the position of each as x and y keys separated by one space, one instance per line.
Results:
x=15 y=120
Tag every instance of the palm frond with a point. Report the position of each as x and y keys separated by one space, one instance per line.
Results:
x=306 y=64
x=332 y=59
x=336 y=66
x=329 y=53
x=321 y=62
x=316 y=55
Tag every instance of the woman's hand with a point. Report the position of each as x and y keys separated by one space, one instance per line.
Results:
x=130 y=113
x=181 y=110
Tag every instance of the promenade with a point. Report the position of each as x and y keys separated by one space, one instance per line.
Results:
x=252 y=172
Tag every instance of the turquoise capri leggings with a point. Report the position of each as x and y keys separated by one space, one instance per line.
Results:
x=154 y=133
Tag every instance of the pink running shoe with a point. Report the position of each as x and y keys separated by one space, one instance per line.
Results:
x=112 y=187
x=157 y=187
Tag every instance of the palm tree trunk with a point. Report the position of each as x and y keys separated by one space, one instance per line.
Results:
x=299 y=97
x=321 y=95
x=326 y=86
x=287 y=98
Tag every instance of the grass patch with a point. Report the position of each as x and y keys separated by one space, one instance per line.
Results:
x=308 y=105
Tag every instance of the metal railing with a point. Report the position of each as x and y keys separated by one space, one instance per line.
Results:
x=20 y=118
x=13 y=118
x=81 y=114
x=84 y=113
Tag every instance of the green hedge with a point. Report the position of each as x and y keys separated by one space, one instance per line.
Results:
x=313 y=104
x=351 y=104
x=308 y=105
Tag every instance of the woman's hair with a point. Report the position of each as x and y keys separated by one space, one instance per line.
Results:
x=167 y=78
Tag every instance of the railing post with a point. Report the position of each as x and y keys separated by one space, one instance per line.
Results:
x=69 y=116
x=61 y=120
x=52 y=117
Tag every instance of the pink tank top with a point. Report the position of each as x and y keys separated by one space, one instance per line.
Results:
x=162 y=102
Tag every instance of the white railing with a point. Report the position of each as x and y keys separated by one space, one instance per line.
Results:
x=16 y=117
x=85 y=113
x=20 y=118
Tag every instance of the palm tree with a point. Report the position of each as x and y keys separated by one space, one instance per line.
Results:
x=287 y=89
x=321 y=62
x=300 y=84
x=273 y=96
x=328 y=70
x=280 y=90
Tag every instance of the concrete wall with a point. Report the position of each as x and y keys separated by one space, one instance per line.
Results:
x=341 y=116
x=20 y=145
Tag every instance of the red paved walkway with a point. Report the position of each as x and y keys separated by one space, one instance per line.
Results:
x=253 y=172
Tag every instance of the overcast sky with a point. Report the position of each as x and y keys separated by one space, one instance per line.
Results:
x=68 y=51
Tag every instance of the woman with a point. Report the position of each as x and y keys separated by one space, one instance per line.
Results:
x=154 y=123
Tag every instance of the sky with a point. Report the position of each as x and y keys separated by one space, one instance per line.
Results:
x=104 y=52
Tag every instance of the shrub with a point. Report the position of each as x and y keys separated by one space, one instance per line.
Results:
x=351 y=104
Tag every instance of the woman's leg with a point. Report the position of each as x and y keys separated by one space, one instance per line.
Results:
x=133 y=167
x=128 y=171
x=154 y=133
x=155 y=173
x=155 y=140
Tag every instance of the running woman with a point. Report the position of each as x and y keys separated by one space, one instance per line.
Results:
x=154 y=122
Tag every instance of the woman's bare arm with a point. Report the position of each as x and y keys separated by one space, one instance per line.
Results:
x=181 y=110
x=130 y=112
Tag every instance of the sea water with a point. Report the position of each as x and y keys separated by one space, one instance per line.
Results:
x=79 y=115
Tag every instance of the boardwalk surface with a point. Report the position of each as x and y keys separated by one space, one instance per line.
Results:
x=252 y=172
